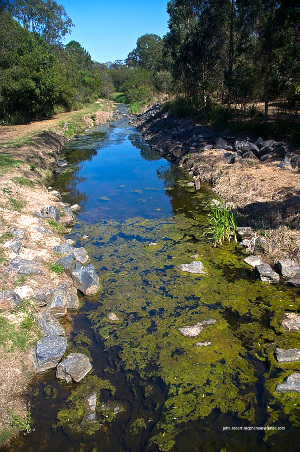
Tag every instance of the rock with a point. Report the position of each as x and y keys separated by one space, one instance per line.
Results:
x=265 y=157
x=68 y=218
x=86 y=279
x=49 y=325
x=75 y=208
x=81 y=255
x=43 y=230
x=253 y=260
x=260 y=245
x=92 y=404
x=292 y=321
x=56 y=193
x=65 y=248
x=63 y=298
x=285 y=164
x=266 y=273
x=18 y=233
x=244 y=232
x=222 y=144
x=49 y=351
x=295 y=281
x=113 y=317
x=43 y=298
x=291 y=383
x=62 y=163
x=67 y=262
x=203 y=344
x=280 y=150
x=74 y=367
x=260 y=142
x=230 y=157
x=195 y=330
x=152 y=244
x=249 y=155
x=194 y=267
x=50 y=212
x=295 y=161
x=288 y=267
x=246 y=146
x=9 y=299
x=197 y=184
x=287 y=356
x=24 y=267
x=264 y=151
x=14 y=245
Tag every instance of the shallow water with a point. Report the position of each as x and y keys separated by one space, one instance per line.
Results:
x=156 y=389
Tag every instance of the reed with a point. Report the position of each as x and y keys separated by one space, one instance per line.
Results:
x=222 y=223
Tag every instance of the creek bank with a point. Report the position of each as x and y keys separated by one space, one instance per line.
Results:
x=36 y=291
x=258 y=178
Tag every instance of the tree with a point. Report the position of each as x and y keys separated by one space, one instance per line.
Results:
x=44 y=17
x=148 y=53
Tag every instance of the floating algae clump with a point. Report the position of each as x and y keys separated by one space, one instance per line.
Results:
x=84 y=412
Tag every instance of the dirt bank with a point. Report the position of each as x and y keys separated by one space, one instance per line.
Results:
x=260 y=179
x=28 y=156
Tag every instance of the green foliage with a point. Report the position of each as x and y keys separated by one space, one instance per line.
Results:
x=23 y=181
x=7 y=162
x=23 y=424
x=57 y=226
x=12 y=337
x=15 y=204
x=56 y=268
x=222 y=222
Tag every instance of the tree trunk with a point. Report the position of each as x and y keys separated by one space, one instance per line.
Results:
x=230 y=54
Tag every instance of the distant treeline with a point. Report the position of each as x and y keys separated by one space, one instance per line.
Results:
x=217 y=54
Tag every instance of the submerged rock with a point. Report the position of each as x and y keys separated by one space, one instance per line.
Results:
x=292 y=321
x=49 y=351
x=113 y=317
x=291 y=383
x=195 y=330
x=203 y=344
x=86 y=279
x=75 y=367
x=24 y=267
x=266 y=273
x=287 y=356
x=194 y=267
x=253 y=260
x=9 y=299
x=91 y=407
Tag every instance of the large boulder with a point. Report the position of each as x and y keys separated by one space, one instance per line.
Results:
x=50 y=212
x=67 y=262
x=253 y=260
x=291 y=383
x=48 y=352
x=49 y=325
x=266 y=273
x=194 y=267
x=291 y=321
x=9 y=299
x=74 y=367
x=85 y=279
x=63 y=298
x=24 y=267
x=288 y=268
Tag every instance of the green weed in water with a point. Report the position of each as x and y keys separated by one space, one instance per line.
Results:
x=23 y=424
x=57 y=226
x=222 y=223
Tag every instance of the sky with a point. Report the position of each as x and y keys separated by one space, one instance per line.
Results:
x=109 y=29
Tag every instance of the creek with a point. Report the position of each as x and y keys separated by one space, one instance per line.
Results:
x=157 y=389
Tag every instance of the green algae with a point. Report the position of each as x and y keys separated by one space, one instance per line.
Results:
x=75 y=416
x=153 y=299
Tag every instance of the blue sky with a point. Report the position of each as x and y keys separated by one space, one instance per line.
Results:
x=108 y=29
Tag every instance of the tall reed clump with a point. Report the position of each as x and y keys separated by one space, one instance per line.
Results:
x=222 y=222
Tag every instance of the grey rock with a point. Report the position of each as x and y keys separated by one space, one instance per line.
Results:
x=67 y=262
x=65 y=248
x=266 y=273
x=75 y=208
x=68 y=218
x=194 y=267
x=24 y=267
x=265 y=157
x=285 y=164
x=195 y=330
x=222 y=144
x=260 y=245
x=295 y=281
x=197 y=184
x=74 y=367
x=49 y=325
x=63 y=298
x=113 y=317
x=230 y=157
x=244 y=232
x=280 y=150
x=203 y=344
x=14 y=245
x=86 y=279
x=9 y=299
x=291 y=383
x=253 y=260
x=56 y=193
x=51 y=212
x=49 y=351
x=249 y=155
x=264 y=151
x=288 y=268
x=295 y=161
x=62 y=163
x=18 y=233
x=43 y=230
x=91 y=407
x=43 y=298
x=287 y=356
x=81 y=255
x=291 y=321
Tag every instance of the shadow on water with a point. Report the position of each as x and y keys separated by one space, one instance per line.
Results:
x=157 y=389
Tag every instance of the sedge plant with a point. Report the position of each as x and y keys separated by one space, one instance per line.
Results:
x=222 y=223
